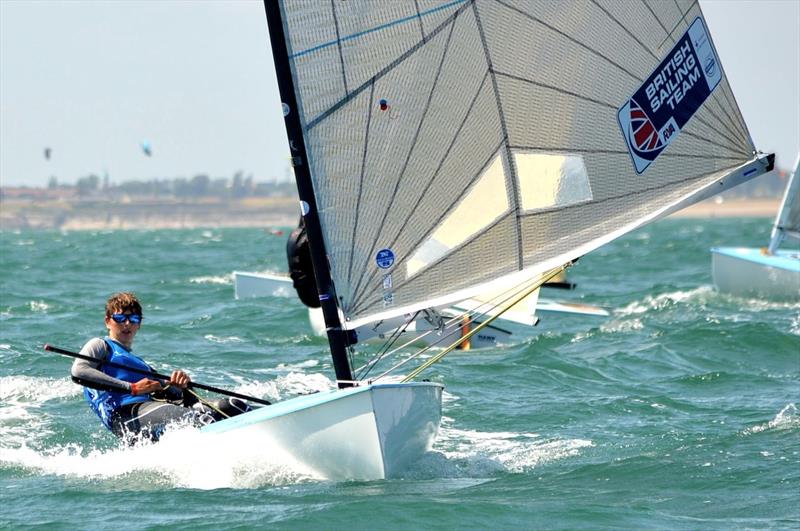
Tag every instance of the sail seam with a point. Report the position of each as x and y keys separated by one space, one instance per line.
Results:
x=648 y=50
x=732 y=148
x=629 y=194
x=572 y=39
x=732 y=125
x=625 y=29
x=556 y=89
x=339 y=44
x=388 y=68
x=674 y=184
x=361 y=182
x=358 y=293
x=678 y=23
x=419 y=19
x=663 y=27
x=411 y=148
x=445 y=212
x=512 y=168
x=727 y=94
x=567 y=150
x=359 y=34
x=726 y=127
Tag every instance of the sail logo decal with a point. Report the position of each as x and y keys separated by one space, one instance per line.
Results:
x=385 y=258
x=659 y=109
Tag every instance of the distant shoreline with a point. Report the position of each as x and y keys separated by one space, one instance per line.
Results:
x=245 y=213
x=148 y=214
x=732 y=208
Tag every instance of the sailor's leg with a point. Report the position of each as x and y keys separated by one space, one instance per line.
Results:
x=223 y=408
x=148 y=419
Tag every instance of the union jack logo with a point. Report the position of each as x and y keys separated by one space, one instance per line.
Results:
x=644 y=137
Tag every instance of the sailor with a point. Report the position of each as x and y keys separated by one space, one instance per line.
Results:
x=133 y=406
x=298 y=254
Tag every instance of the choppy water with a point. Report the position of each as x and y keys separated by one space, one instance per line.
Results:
x=677 y=412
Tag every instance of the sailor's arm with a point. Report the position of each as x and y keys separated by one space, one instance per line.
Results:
x=88 y=373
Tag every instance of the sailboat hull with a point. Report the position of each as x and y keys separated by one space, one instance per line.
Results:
x=749 y=272
x=368 y=432
x=247 y=285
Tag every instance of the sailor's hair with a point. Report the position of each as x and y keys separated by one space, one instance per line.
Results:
x=124 y=301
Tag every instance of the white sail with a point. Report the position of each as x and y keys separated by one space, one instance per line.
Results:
x=787 y=223
x=457 y=146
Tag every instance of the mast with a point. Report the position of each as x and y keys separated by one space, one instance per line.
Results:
x=337 y=337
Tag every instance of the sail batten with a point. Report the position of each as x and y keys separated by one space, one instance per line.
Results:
x=455 y=144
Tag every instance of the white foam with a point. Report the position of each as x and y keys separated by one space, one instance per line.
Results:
x=184 y=457
x=788 y=418
x=35 y=391
x=217 y=339
x=664 y=300
x=469 y=453
x=20 y=399
x=305 y=364
x=39 y=306
x=213 y=279
x=516 y=452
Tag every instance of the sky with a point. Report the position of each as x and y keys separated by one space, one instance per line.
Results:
x=94 y=80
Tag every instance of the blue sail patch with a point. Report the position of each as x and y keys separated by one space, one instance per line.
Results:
x=658 y=110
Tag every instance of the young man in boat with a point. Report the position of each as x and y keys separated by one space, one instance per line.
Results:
x=128 y=403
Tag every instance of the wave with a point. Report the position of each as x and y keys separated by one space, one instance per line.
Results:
x=35 y=391
x=462 y=453
x=38 y=306
x=787 y=419
x=213 y=279
x=21 y=401
x=665 y=300
x=217 y=339
x=183 y=458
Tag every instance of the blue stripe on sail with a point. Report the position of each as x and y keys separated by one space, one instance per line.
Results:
x=376 y=28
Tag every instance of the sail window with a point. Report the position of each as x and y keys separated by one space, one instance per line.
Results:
x=485 y=202
x=549 y=180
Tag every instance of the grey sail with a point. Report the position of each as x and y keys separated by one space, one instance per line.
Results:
x=454 y=146
x=787 y=223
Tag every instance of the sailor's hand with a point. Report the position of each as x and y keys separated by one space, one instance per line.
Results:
x=145 y=386
x=179 y=379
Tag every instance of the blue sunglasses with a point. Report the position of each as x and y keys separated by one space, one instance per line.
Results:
x=120 y=318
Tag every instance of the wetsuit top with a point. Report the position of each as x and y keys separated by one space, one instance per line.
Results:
x=108 y=388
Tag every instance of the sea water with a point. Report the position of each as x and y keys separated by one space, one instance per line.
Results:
x=678 y=411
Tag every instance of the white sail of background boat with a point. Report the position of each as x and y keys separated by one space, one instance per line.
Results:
x=447 y=149
x=771 y=272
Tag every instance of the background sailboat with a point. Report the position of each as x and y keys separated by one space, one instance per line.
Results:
x=511 y=326
x=771 y=272
x=444 y=150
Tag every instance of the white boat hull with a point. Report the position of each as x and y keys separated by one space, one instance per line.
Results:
x=364 y=433
x=248 y=285
x=749 y=272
